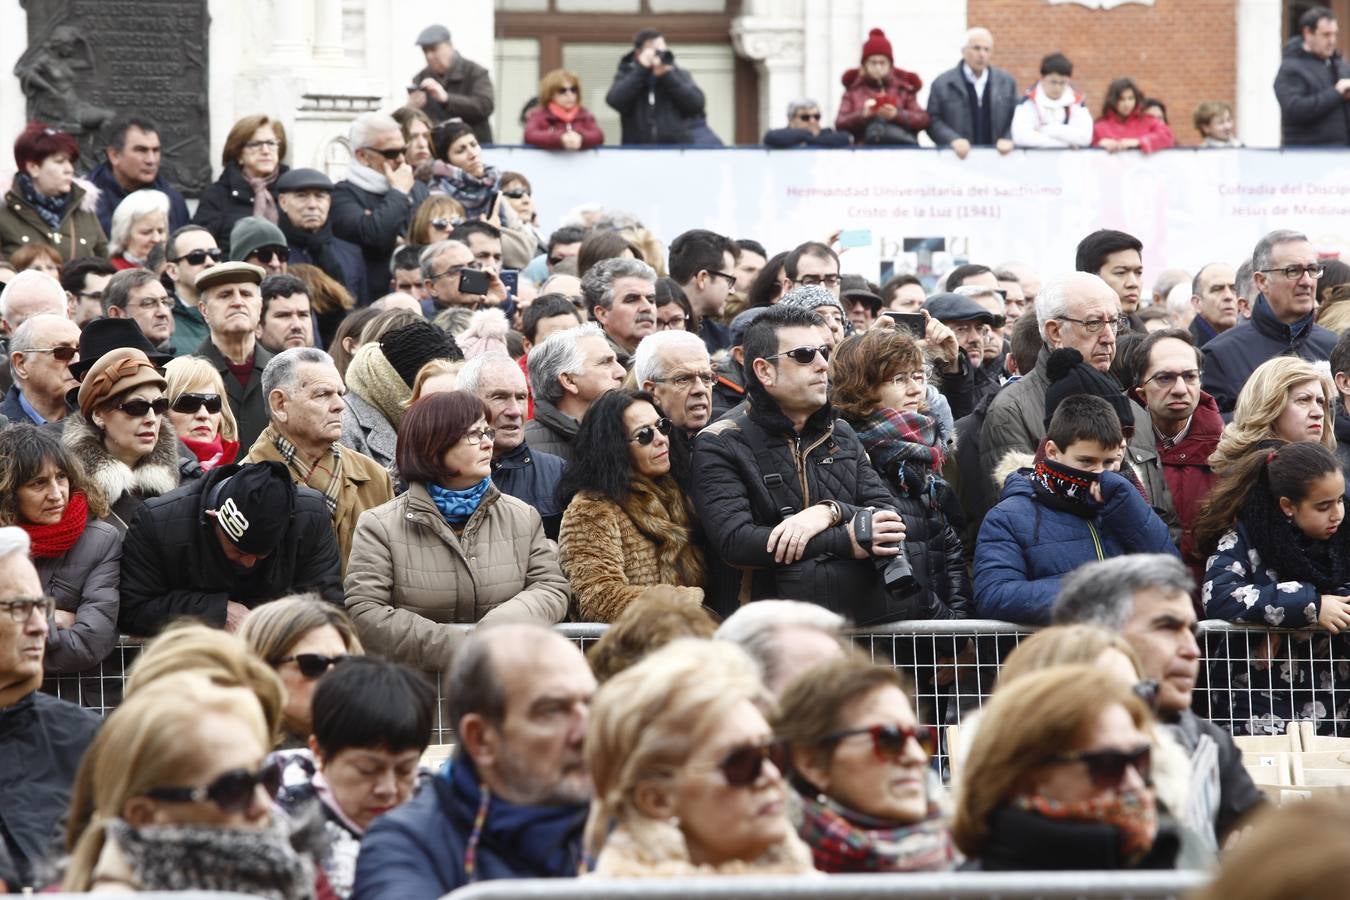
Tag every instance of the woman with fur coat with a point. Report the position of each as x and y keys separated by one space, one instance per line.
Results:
x=121 y=435
x=628 y=532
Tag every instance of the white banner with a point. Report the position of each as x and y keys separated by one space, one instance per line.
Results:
x=1189 y=207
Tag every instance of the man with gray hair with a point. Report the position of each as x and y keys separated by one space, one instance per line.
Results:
x=43 y=738
x=804 y=130
x=676 y=368
x=304 y=410
x=524 y=472
x=1285 y=269
x=972 y=104
x=1146 y=599
x=28 y=294
x=785 y=638
x=621 y=297
x=1246 y=289
x=568 y=372
x=40 y=354
x=442 y=266
x=139 y=295
x=373 y=206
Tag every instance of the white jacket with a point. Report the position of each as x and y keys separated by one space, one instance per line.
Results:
x=1039 y=121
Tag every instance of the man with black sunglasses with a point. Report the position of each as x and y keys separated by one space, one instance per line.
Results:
x=190 y=251
x=781 y=484
x=40 y=354
x=803 y=129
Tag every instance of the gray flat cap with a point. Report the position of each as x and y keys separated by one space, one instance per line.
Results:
x=433 y=35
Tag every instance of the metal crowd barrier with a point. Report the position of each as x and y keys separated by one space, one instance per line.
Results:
x=952 y=886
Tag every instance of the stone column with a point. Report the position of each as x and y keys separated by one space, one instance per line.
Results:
x=775 y=46
x=1258 y=59
x=289 y=32
x=328 y=44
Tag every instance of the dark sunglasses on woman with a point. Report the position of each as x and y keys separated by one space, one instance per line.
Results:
x=516 y=193
x=1106 y=768
x=743 y=766
x=139 y=408
x=231 y=792
x=188 y=404
x=888 y=741
x=647 y=433
x=311 y=665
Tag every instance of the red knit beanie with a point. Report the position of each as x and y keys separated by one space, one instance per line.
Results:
x=877 y=45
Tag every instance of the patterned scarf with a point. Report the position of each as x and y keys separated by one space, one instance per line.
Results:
x=325 y=475
x=51 y=209
x=842 y=840
x=1132 y=812
x=54 y=540
x=474 y=192
x=264 y=204
x=1064 y=488
x=457 y=507
x=893 y=438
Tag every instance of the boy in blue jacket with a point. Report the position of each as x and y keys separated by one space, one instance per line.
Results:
x=1072 y=507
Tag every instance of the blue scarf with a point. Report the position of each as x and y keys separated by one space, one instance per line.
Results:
x=458 y=506
x=51 y=209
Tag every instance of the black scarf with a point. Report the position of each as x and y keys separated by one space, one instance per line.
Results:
x=51 y=209
x=1064 y=488
x=319 y=247
x=1284 y=547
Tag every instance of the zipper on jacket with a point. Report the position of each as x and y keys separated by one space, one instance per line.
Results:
x=799 y=459
x=1096 y=542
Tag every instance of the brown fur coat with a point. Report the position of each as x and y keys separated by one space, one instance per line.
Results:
x=122 y=488
x=654 y=848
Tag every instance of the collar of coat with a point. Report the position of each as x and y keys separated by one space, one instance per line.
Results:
x=1263 y=317
x=154 y=475
x=765 y=412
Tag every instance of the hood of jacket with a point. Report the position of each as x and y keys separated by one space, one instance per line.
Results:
x=153 y=476
x=896 y=79
x=1014 y=461
x=1069 y=97
x=641 y=847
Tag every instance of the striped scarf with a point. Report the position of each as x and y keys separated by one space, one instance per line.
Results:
x=893 y=438
x=846 y=841
x=325 y=475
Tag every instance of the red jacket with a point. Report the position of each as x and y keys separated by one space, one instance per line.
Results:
x=543 y=129
x=858 y=89
x=1153 y=134
x=1186 y=470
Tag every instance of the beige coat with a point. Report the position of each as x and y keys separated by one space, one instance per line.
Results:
x=410 y=576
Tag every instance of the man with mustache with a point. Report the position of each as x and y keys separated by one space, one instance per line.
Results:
x=621 y=295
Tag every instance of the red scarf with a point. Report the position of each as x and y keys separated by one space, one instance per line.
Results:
x=212 y=453
x=54 y=540
x=568 y=116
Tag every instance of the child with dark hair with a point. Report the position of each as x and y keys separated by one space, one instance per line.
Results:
x=1071 y=507
x=1278 y=557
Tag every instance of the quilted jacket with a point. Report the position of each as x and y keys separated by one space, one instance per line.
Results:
x=410 y=575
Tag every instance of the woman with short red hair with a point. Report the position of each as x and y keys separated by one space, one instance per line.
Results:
x=46 y=204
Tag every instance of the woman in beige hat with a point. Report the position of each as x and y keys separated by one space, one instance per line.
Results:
x=122 y=435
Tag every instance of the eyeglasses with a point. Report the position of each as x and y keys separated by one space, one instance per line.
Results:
x=516 y=193
x=803 y=356
x=647 y=433
x=809 y=117
x=60 y=354
x=262 y=145
x=1294 y=273
x=743 y=766
x=1106 y=768
x=919 y=377
x=90 y=295
x=888 y=741
x=21 y=608
x=231 y=792
x=139 y=408
x=311 y=665
x=1166 y=380
x=265 y=254
x=672 y=324
x=1093 y=326
x=188 y=404
x=155 y=303
x=391 y=154
x=454 y=270
x=728 y=278
x=197 y=257
x=685 y=380
x=570 y=89
x=478 y=435
x=827 y=280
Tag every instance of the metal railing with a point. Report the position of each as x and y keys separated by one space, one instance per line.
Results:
x=955 y=886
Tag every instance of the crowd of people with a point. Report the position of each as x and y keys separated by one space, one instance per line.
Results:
x=392 y=416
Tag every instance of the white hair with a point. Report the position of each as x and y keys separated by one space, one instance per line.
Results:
x=801 y=103
x=428 y=257
x=647 y=356
x=366 y=127
x=471 y=375
x=1179 y=299
x=283 y=370
x=33 y=293
x=14 y=539
x=556 y=355
x=1053 y=300
x=976 y=32
x=134 y=207
x=755 y=627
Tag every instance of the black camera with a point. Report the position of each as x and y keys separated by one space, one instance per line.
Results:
x=896 y=571
x=666 y=57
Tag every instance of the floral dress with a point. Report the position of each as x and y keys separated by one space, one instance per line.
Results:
x=1261 y=681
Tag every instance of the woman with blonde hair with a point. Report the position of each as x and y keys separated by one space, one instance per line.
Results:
x=301 y=638
x=201 y=414
x=1287 y=399
x=688 y=777
x=440 y=376
x=560 y=122
x=1058 y=778
x=139 y=222
x=181 y=799
x=434 y=219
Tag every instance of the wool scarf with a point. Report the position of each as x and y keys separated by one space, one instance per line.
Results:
x=457 y=507
x=566 y=116
x=660 y=511
x=842 y=840
x=371 y=377
x=54 y=540
x=324 y=474
x=367 y=179
x=893 y=438
x=1132 y=812
x=264 y=204
x=474 y=192
x=51 y=209
x=1065 y=488
x=212 y=453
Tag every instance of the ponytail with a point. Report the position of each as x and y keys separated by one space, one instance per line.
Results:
x=1244 y=483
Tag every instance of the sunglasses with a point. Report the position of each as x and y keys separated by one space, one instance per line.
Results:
x=809 y=117
x=231 y=792
x=311 y=665
x=60 y=354
x=139 y=408
x=446 y=224
x=516 y=193
x=197 y=257
x=391 y=154
x=888 y=741
x=265 y=254
x=647 y=433
x=188 y=404
x=743 y=766
x=803 y=356
x=1106 y=768
x=570 y=89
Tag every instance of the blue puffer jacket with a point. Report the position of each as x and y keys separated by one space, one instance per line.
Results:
x=1025 y=547
x=417 y=852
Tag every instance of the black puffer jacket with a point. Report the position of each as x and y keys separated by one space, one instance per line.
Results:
x=227 y=201
x=1311 y=112
x=753 y=469
x=1232 y=357
x=655 y=110
x=373 y=222
x=173 y=565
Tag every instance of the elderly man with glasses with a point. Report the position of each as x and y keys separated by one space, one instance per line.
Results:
x=803 y=129
x=1285 y=269
x=138 y=294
